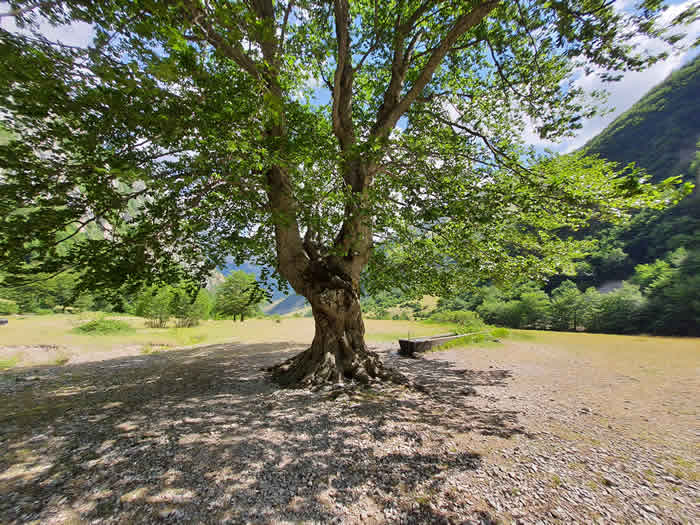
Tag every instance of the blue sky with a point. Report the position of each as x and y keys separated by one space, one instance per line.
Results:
x=623 y=94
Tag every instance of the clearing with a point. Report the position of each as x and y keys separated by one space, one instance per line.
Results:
x=545 y=427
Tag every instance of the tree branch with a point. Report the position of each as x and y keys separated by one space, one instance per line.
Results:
x=342 y=82
x=200 y=19
x=389 y=115
x=22 y=10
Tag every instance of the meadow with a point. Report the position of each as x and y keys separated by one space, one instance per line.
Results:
x=53 y=339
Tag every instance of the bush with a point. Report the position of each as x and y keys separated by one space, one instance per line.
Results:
x=467 y=320
x=187 y=312
x=8 y=307
x=103 y=327
x=502 y=313
x=619 y=312
x=155 y=304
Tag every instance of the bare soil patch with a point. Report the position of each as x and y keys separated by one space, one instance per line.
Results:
x=526 y=432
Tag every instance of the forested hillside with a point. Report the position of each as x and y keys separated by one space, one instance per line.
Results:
x=661 y=131
x=644 y=276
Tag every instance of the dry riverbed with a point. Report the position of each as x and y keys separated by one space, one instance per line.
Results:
x=549 y=428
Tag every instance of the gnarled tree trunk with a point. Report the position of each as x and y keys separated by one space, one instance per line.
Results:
x=338 y=352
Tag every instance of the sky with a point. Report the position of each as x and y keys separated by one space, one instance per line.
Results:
x=622 y=94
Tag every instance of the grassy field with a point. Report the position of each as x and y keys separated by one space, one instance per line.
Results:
x=52 y=339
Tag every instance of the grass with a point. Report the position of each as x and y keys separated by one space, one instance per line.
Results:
x=8 y=362
x=486 y=339
x=103 y=327
x=643 y=357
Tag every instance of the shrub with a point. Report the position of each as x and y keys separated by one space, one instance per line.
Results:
x=500 y=332
x=502 y=313
x=155 y=304
x=467 y=320
x=187 y=312
x=8 y=307
x=103 y=327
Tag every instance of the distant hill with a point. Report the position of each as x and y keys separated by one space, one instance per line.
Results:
x=288 y=305
x=661 y=131
x=270 y=285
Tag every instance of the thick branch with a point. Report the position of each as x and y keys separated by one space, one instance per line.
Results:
x=387 y=119
x=233 y=51
x=342 y=83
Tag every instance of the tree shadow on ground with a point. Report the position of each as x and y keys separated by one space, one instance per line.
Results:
x=200 y=435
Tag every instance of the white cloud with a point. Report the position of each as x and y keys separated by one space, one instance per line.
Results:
x=623 y=94
x=79 y=34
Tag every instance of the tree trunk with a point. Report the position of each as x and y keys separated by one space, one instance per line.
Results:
x=338 y=351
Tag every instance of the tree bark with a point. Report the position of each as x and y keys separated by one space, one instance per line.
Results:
x=338 y=352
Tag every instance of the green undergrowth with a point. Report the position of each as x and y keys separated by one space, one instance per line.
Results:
x=8 y=363
x=483 y=338
x=103 y=327
x=489 y=337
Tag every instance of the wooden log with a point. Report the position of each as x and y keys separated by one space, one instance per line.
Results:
x=408 y=347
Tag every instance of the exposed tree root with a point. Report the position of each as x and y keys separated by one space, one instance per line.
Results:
x=314 y=367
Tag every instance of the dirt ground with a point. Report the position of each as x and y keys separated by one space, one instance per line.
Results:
x=544 y=428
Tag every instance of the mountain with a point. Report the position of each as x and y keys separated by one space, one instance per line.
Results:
x=661 y=131
x=290 y=304
x=661 y=134
x=269 y=284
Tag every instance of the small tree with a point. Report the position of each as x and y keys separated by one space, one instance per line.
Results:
x=501 y=313
x=567 y=306
x=535 y=309
x=620 y=311
x=238 y=296
x=189 y=312
x=590 y=311
x=155 y=304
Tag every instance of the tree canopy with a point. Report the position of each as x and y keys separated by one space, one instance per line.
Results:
x=238 y=296
x=313 y=137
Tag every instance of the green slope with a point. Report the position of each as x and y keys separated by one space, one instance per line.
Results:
x=661 y=131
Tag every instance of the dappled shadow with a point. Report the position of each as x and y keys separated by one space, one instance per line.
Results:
x=201 y=435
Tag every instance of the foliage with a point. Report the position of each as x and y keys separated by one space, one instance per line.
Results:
x=621 y=311
x=239 y=296
x=567 y=307
x=184 y=301
x=466 y=321
x=656 y=132
x=500 y=313
x=674 y=296
x=46 y=292
x=188 y=312
x=155 y=304
x=659 y=134
x=8 y=307
x=103 y=327
x=534 y=309
x=178 y=146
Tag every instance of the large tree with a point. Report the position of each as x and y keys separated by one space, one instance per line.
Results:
x=329 y=140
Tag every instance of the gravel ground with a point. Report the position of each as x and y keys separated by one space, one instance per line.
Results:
x=200 y=436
